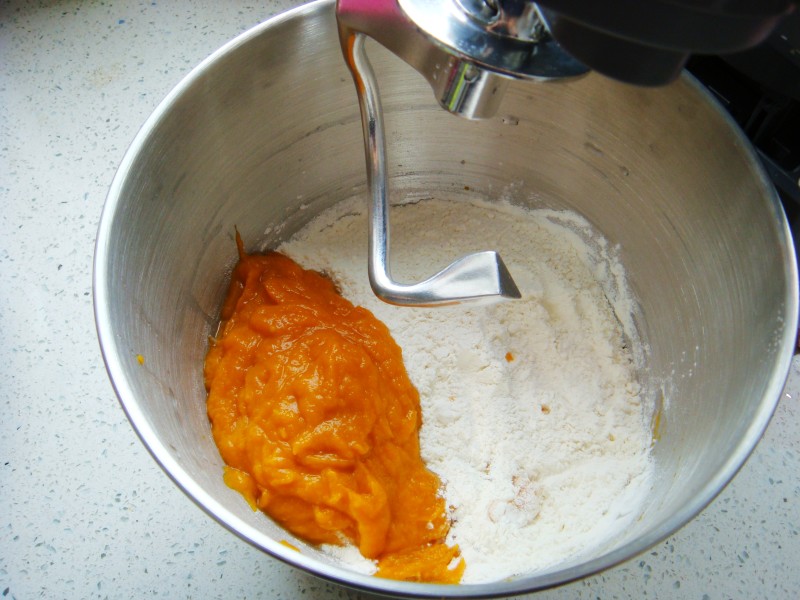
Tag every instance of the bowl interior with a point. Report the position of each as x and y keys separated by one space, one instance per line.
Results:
x=266 y=134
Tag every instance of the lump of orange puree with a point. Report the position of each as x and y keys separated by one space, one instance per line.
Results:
x=314 y=414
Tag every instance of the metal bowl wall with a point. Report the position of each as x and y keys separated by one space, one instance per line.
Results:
x=265 y=134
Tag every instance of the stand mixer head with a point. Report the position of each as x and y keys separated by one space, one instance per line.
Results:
x=468 y=50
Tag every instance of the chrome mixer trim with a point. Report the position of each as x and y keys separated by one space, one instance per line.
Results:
x=467 y=50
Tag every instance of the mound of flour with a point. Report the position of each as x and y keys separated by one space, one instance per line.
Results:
x=532 y=413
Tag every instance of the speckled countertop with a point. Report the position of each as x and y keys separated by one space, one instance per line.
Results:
x=84 y=511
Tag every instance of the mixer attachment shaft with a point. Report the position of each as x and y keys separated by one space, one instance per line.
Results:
x=478 y=276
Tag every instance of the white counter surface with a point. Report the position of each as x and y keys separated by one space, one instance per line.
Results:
x=84 y=511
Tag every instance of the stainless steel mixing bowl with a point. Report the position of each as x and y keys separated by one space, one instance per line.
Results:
x=265 y=134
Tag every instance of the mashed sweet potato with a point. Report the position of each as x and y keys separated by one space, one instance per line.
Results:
x=314 y=414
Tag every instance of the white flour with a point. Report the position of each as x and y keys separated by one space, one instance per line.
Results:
x=542 y=457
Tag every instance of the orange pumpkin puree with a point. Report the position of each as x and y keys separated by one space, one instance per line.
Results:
x=314 y=414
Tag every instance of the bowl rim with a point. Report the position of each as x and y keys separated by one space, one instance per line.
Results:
x=112 y=357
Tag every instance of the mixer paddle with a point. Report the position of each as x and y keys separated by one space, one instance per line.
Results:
x=478 y=276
